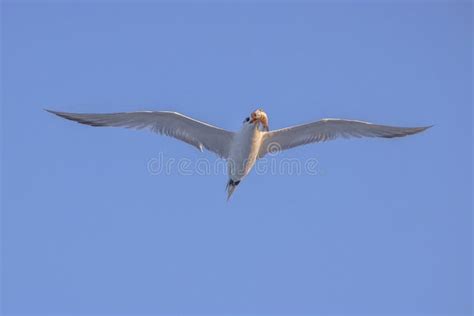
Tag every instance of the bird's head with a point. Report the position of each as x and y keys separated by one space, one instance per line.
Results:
x=258 y=117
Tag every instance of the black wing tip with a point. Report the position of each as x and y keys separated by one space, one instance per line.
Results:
x=50 y=111
x=62 y=114
x=72 y=117
x=416 y=130
x=408 y=131
x=422 y=129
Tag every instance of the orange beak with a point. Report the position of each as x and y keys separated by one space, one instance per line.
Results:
x=253 y=117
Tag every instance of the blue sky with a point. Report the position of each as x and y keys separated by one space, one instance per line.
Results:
x=384 y=228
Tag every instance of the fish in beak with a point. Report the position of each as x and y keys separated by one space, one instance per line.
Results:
x=261 y=118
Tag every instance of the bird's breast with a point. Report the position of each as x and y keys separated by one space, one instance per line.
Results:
x=244 y=151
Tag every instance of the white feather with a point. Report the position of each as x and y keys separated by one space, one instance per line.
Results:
x=198 y=134
x=329 y=129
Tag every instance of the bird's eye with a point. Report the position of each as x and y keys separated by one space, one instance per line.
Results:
x=247 y=119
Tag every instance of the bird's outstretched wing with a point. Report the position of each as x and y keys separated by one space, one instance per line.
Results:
x=328 y=129
x=191 y=131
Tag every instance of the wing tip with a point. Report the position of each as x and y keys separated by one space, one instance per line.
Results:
x=416 y=130
x=75 y=118
x=60 y=114
x=422 y=128
x=407 y=132
x=50 y=111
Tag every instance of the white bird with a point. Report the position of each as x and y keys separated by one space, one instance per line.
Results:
x=241 y=149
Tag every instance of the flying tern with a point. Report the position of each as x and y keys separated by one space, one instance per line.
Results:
x=241 y=149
